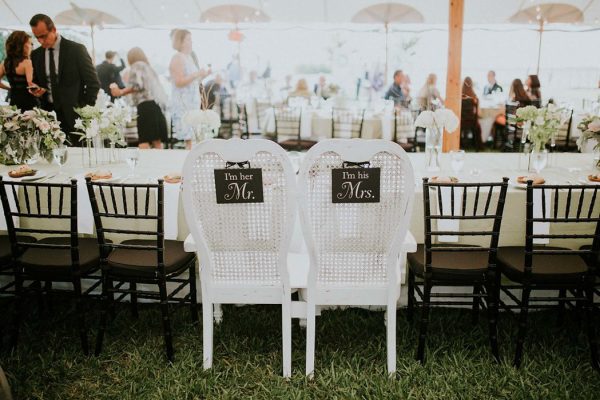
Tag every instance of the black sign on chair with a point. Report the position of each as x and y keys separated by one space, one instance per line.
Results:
x=355 y=185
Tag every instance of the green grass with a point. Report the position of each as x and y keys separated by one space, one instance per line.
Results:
x=350 y=358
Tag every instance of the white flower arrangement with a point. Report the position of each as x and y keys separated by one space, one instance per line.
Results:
x=590 y=129
x=540 y=124
x=440 y=119
x=204 y=122
x=24 y=135
x=104 y=119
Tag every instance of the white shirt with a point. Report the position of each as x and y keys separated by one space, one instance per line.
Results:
x=56 y=48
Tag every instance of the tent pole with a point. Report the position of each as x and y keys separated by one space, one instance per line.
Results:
x=387 y=52
x=453 y=83
x=537 y=71
x=93 y=43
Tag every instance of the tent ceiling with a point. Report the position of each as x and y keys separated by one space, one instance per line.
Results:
x=187 y=12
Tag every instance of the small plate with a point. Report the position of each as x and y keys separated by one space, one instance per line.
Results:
x=114 y=178
x=586 y=181
x=514 y=183
x=38 y=175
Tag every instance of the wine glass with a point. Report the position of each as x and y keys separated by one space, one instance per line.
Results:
x=132 y=157
x=457 y=160
x=59 y=154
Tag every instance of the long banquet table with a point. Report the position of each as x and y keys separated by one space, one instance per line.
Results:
x=566 y=168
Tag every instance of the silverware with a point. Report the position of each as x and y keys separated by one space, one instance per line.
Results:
x=47 y=178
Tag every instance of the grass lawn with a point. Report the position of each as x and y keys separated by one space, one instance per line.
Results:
x=350 y=358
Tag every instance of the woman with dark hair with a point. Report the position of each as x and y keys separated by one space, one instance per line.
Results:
x=518 y=94
x=18 y=69
x=533 y=88
x=470 y=112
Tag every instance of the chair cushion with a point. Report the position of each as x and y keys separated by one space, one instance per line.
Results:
x=142 y=263
x=5 y=247
x=451 y=265
x=294 y=144
x=57 y=262
x=545 y=268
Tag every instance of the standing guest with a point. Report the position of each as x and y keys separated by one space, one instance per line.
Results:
x=215 y=90
x=301 y=90
x=64 y=72
x=148 y=96
x=429 y=95
x=396 y=92
x=492 y=86
x=533 y=88
x=109 y=73
x=518 y=93
x=185 y=77
x=469 y=115
x=18 y=69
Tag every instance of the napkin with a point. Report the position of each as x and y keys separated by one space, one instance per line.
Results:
x=171 y=210
x=449 y=224
x=12 y=202
x=540 y=228
x=85 y=216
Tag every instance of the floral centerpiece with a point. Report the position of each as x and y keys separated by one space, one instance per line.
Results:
x=26 y=135
x=539 y=124
x=434 y=123
x=205 y=123
x=590 y=129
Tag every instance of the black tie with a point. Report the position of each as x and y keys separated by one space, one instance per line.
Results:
x=53 y=80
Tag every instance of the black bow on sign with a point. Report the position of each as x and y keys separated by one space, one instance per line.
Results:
x=241 y=164
x=360 y=164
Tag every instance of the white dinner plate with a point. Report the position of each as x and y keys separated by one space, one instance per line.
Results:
x=38 y=175
x=114 y=178
x=523 y=186
x=586 y=181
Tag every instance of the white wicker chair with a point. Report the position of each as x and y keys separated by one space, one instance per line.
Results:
x=354 y=248
x=242 y=248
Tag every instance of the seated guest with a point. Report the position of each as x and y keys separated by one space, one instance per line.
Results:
x=429 y=95
x=492 y=86
x=301 y=90
x=397 y=92
x=470 y=112
x=214 y=90
x=109 y=73
x=518 y=94
x=533 y=88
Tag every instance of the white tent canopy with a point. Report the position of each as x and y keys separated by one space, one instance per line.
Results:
x=187 y=12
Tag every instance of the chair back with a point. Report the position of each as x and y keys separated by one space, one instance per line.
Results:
x=569 y=210
x=43 y=209
x=287 y=121
x=242 y=120
x=355 y=243
x=118 y=206
x=261 y=107
x=346 y=123
x=468 y=114
x=563 y=134
x=404 y=129
x=477 y=209
x=240 y=242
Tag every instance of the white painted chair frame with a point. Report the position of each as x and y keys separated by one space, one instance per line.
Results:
x=215 y=293
x=318 y=294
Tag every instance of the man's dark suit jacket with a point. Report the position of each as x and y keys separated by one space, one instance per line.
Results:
x=109 y=73
x=77 y=84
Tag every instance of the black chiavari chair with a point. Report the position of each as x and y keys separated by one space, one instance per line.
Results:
x=470 y=130
x=288 y=122
x=61 y=256
x=151 y=261
x=261 y=108
x=243 y=121
x=554 y=267
x=563 y=140
x=459 y=265
x=404 y=132
x=347 y=122
x=228 y=113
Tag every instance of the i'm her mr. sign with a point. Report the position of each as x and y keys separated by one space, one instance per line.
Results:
x=242 y=185
x=355 y=185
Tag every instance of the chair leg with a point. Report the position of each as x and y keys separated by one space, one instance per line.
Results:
x=310 y=339
x=411 y=296
x=193 y=294
x=134 y=298
x=79 y=309
x=164 y=309
x=492 y=310
x=17 y=311
x=106 y=306
x=286 y=329
x=522 y=326
x=562 y=293
x=591 y=328
x=391 y=339
x=207 y=332
x=475 y=310
x=48 y=289
x=424 y=322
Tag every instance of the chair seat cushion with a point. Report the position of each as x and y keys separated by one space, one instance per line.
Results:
x=451 y=265
x=293 y=144
x=5 y=247
x=143 y=263
x=545 y=268
x=57 y=262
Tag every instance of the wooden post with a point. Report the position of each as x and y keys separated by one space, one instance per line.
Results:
x=453 y=78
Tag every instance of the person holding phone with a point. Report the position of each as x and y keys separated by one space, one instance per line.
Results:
x=18 y=69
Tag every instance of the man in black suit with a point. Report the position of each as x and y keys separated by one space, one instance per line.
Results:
x=109 y=73
x=64 y=72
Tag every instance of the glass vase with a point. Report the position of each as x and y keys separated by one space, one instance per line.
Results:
x=433 y=148
x=89 y=153
x=203 y=132
x=597 y=157
x=539 y=160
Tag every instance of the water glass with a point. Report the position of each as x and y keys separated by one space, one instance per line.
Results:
x=132 y=157
x=457 y=160
x=59 y=154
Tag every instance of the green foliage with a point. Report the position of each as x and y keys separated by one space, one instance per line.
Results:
x=350 y=358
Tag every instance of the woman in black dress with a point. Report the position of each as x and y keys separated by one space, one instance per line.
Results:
x=18 y=70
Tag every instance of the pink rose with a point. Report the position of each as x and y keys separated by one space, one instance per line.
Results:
x=594 y=126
